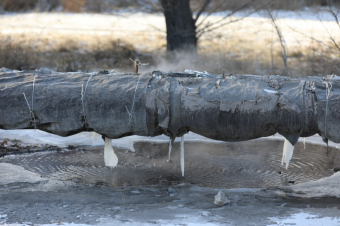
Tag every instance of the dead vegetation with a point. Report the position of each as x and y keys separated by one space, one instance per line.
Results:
x=243 y=47
x=234 y=56
x=66 y=54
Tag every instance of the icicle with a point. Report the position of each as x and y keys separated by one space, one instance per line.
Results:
x=182 y=155
x=170 y=148
x=95 y=136
x=304 y=143
x=288 y=149
x=110 y=158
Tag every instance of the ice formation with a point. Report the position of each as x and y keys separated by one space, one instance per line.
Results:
x=182 y=155
x=304 y=143
x=170 y=147
x=95 y=136
x=288 y=149
x=110 y=158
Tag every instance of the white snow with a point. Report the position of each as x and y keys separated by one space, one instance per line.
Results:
x=287 y=154
x=110 y=158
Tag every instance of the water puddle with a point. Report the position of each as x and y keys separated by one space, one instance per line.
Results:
x=251 y=164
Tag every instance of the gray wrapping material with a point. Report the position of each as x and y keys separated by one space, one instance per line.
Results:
x=234 y=108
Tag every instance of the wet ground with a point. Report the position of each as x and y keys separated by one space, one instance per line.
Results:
x=249 y=164
x=185 y=205
x=71 y=185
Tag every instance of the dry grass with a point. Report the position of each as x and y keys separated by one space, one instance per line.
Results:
x=234 y=56
x=250 y=46
x=65 y=54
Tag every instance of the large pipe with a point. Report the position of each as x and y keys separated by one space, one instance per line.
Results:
x=232 y=108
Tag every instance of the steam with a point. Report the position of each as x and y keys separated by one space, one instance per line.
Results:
x=176 y=61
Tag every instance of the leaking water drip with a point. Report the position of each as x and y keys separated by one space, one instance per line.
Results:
x=304 y=143
x=287 y=154
x=110 y=158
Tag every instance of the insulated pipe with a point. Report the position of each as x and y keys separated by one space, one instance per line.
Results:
x=233 y=108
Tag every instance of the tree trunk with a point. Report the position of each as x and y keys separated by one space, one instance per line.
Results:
x=180 y=25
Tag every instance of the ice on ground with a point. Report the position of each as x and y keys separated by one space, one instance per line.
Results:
x=325 y=187
x=11 y=173
x=110 y=158
x=304 y=218
x=287 y=154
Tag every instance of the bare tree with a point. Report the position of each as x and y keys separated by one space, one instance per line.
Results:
x=187 y=20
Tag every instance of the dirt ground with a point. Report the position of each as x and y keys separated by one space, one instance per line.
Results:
x=31 y=200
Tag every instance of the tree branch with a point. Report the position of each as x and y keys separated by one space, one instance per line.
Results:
x=202 y=9
x=208 y=26
x=282 y=40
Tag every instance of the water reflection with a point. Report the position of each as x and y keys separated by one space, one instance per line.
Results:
x=251 y=164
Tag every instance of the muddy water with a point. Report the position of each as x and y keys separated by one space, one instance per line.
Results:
x=251 y=164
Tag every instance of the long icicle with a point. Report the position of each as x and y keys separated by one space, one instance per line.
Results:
x=304 y=143
x=182 y=155
x=110 y=158
x=170 y=147
x=95 y=136
x=288 y=149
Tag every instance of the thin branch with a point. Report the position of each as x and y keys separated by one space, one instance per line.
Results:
x=335 y=15
x=282 y=40
x=311 y=38
x=213 y=26
x=227 y=16
x=213 y=10
x=202 y=31
x=202 y=9
x=330 y=35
